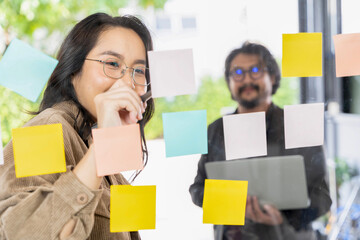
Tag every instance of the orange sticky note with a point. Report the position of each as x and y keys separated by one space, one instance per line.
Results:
x=132 y=208
x=347 y=54
x=38 y=150
x=302 y=55
x=224 y=202
x=117 y=149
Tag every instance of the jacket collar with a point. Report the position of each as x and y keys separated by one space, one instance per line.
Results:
x=73 y=115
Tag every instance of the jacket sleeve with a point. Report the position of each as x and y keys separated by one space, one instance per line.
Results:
x=215 y=152
x=318 y=190
x=38 y=207
x=197 y=188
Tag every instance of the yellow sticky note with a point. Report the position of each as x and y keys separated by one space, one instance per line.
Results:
x=38 y=150
x=302 y=55
x=224 y=202
x=132 y=208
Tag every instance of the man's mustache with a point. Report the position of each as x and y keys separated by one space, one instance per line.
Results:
x=256 y=87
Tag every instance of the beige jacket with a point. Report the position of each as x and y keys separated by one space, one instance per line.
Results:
x=38 y=207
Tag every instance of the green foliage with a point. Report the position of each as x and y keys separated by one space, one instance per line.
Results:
x=13 y=112
x=288 y=93
x=344 y=172
x=22 y=18
x=155 y=3
x=213 y=95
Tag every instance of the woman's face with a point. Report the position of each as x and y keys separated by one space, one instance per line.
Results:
x=117 y=43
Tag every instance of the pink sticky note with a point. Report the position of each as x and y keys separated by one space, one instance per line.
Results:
x=117 y=149
x=347 y=54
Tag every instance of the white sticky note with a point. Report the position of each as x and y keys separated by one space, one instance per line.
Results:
x=172 y=73
x=304 y=125
x=245 y=135
x=1 y=149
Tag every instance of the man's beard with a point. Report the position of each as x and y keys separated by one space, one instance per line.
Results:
x=248 y=104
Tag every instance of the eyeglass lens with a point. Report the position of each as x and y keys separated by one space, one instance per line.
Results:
x=239 y=74
x=115 y=68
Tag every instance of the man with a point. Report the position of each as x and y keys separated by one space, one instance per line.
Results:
x=253 y=76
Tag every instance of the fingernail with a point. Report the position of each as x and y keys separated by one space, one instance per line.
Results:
x=133 y=116
x=140 y=115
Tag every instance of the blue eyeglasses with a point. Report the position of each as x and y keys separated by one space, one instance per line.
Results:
x=255 y=72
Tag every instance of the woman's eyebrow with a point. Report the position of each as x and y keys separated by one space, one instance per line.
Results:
x=118 y=55
x=112 y=53
x=140 y=61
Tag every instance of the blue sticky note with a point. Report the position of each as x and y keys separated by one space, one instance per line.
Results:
x=185 y=133
x=25 y=70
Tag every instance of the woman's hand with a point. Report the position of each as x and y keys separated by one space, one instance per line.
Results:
x=120 y=105
x=269 y=216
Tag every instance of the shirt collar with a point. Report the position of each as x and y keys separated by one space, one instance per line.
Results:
x=268 y=114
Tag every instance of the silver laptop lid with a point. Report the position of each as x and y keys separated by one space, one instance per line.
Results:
x=279 y=181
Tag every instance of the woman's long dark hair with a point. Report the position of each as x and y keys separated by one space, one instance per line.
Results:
x=71 y=56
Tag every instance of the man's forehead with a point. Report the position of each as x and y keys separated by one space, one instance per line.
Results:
x=245 y=60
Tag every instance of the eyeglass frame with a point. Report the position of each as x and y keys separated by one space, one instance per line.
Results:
x=248 y=71
x=123 y=71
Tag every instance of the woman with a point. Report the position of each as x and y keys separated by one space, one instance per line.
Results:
x=101 y=73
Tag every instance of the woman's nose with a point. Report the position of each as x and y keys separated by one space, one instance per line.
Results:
x=127 y=78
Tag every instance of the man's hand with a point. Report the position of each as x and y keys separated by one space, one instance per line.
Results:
x=269 y=216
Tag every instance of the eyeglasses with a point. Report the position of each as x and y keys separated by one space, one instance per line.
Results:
x=116 y=68
x=255 y=72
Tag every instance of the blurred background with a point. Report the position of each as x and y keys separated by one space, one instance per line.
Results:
x=212 y=29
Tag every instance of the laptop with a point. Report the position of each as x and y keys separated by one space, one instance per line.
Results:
x=279 y=181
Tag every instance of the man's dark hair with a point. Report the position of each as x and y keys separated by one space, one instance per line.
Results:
x=71 y=56
x=266 y=58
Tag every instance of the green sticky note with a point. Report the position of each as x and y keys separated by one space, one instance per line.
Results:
x=132 y=208
x=25 y=70
x=302 y=55
x=185 y=133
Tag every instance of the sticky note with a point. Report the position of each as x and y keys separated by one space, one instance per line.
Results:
x=245 y=135
x=347 y=54
x=302 y=55
x=117 y=149
x=185 y=133
x=224 y=202
x=132 y=208
x=1 y=149
x=25 y=70
x=172 y=73
x=304 y=125
x=38 y=150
